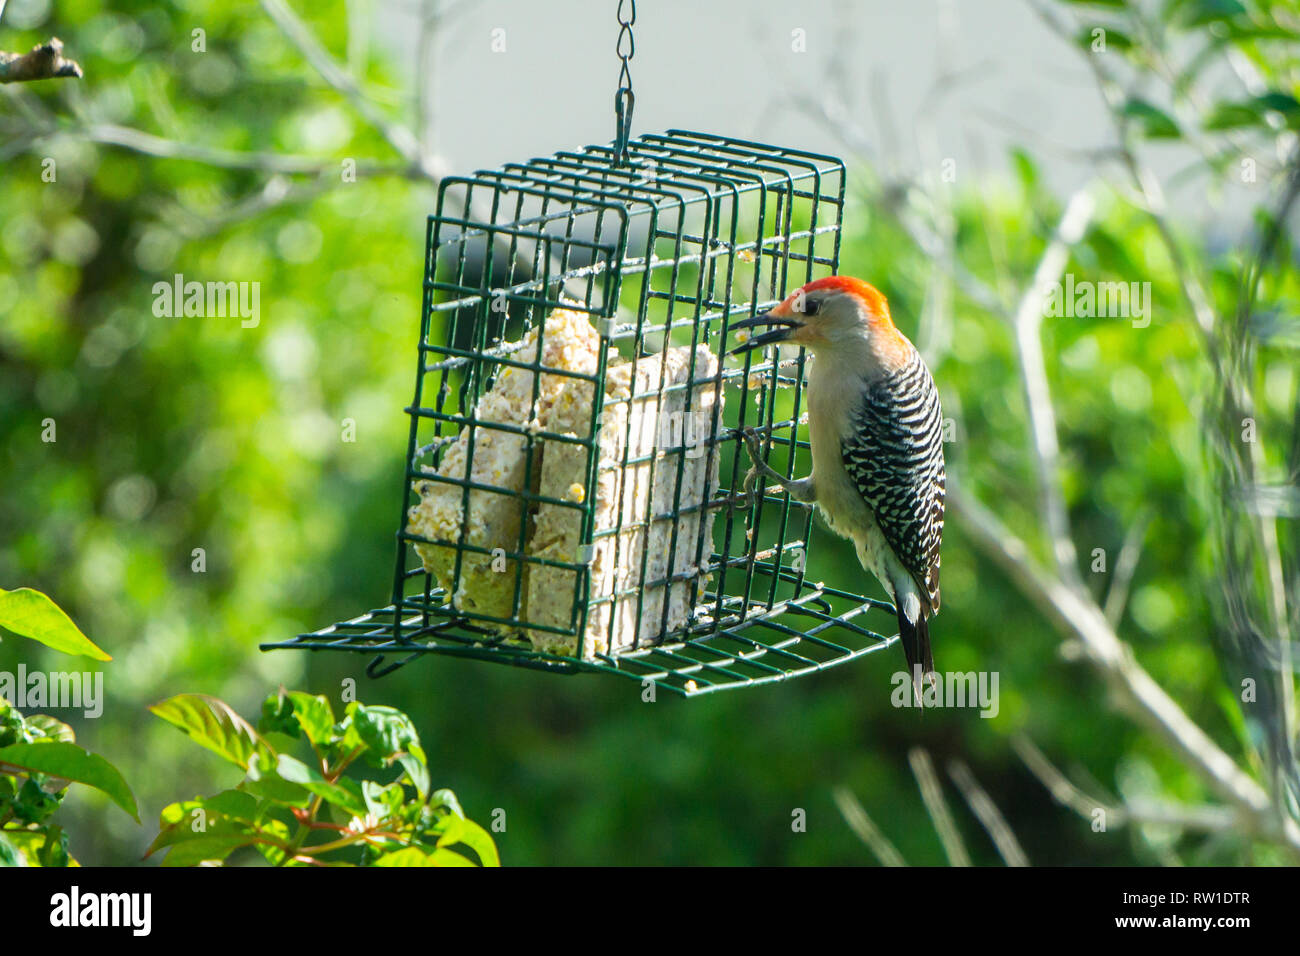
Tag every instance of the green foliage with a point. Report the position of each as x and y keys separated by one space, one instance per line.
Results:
x=213 y=724
x=38 y=756
x=67 y=761
x=193 y=433
x=31 y=614
x=306 y=812
x=1155 y=122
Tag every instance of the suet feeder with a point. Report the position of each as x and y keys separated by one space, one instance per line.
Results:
x=619 y=540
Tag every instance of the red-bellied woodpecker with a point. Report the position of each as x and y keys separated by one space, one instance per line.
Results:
x=876 y=432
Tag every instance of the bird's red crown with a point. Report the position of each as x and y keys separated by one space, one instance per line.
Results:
x=876 y=303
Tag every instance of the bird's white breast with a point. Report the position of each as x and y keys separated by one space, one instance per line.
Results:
x=830 y=417
x=833 y=385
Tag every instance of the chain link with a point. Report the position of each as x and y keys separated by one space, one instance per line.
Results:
x=624 y=100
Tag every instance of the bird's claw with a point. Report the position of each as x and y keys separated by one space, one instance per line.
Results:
x=752 y=441
x=755 y=448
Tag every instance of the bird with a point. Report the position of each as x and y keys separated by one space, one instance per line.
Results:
x=876 y=432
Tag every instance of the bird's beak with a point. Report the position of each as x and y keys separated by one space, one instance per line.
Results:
x=779 y=329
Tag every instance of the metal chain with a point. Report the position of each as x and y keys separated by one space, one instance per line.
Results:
x=624 y=100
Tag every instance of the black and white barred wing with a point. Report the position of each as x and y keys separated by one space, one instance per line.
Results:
x=895 y=456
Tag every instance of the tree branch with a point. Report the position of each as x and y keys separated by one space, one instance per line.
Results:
x=150 y=145
x=1227 y=347
x=44 y=62
x=932 y=795
x=1028 y=325
x=398 y=136
x=855 y=815
x=1125 y=567
x=1078 y=616
x=1203 y=818
x=982 y=805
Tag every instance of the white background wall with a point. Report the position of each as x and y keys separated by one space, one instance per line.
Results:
x=961 y=79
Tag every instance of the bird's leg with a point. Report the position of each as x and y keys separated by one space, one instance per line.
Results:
x=800 y=489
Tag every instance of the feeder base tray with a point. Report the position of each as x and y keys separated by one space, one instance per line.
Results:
x=818 y=628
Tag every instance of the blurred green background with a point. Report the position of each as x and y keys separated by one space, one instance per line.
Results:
x=177 y=434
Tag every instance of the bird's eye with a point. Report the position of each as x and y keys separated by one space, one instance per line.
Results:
x=809 y=306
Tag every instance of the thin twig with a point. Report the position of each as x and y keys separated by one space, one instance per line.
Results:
x=982 y=805
x=278 y=191
x=301 y=36
x=148 y=144
x=932 y=795
x=1125 y=567
x=434 y=18
x=866 y=830
x=425 y=49
x=1202 y=818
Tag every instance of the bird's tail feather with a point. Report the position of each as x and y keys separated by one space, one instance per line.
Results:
x=915 y=638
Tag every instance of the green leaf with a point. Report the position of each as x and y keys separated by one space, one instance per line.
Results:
x=415 y=856
x=55 y=851
x=1241 y=31
x=417 y=770
x=214 y=724
x=70 y=762
x=315 y=716
x=273 y=852
x=208 y=848
x=227 y=812
x=277 y=716
x=234 y=805
x=174 y=818
x=271 y=786
x=1026 y=171
x=1283 y=103
x=446 y=798
x=472 y=835
x=445 y=857
x=48 y=848
x=1196 y=13
x=1155 y=122
x=11 y=855
x=1226 y=116
x=219 y=836
x=12 y=727
x=30 y=613
x=1254 y=112
x=33 y=803
x=382 y=801
x=295 y=713
x=1116 y=41
x=345 y=794
x=385 y=731
x=47 y=728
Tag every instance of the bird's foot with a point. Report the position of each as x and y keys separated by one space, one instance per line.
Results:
x=755 y=448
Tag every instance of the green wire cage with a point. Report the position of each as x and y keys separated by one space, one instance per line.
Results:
x=574 y=495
